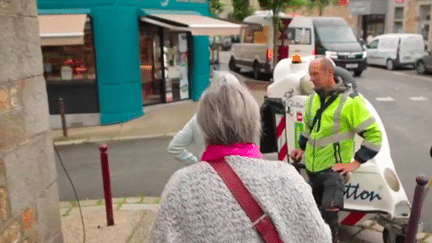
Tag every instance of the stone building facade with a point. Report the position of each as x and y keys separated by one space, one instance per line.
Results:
x=29 y=202
x=410 y=16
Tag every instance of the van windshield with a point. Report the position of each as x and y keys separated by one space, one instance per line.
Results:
x=336 y=34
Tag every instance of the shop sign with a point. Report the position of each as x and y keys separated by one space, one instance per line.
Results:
x=399 y=1
x=360 y=7
x=164 y=3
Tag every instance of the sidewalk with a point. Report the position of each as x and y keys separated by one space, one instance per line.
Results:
x=158 y=120
x=133 y=218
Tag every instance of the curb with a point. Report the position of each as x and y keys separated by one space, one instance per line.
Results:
x=124 y=138
x=116 y=202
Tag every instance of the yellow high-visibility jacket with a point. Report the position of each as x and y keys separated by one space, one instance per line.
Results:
x=331 y=139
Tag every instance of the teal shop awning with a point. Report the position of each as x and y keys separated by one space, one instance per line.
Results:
x=196 y=24
x=62 y=29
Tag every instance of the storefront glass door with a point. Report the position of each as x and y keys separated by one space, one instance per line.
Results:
x=164 y=71
x=176 y=66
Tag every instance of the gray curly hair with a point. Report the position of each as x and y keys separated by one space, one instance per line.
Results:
x=228 y=113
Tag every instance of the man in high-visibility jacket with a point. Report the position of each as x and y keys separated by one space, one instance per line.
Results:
x=333 y=114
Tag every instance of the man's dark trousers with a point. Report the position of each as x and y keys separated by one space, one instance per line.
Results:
x=328 y=188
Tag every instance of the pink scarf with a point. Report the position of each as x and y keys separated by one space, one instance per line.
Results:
x=219 y=152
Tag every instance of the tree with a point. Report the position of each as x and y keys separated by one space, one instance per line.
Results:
x=242 y=9
x=279 y=6
x=216 y=7
x=321 y=4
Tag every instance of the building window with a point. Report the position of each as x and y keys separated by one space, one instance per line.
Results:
x=71 y=62
x=424 y=21
x=399 y=13
x=398 y=27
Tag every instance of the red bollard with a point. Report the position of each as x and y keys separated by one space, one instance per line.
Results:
x=106 y=184
x=414 y=220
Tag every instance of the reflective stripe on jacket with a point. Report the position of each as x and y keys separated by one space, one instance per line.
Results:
x=331 y=139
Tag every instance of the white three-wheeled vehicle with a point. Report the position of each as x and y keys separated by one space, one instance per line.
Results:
x=373 y=192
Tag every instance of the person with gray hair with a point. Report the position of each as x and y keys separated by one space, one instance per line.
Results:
x=191 y=132
x=198 y=205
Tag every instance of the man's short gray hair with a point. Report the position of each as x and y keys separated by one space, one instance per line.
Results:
x=228 y=114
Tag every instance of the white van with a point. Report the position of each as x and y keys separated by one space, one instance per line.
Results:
x=304 y=36
x=255 y=49
x=395 y=50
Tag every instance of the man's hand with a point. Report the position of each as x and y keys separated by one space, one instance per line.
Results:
x=296 y=155
x=344 y=168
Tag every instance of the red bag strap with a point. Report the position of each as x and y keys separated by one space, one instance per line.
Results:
x=260 y=221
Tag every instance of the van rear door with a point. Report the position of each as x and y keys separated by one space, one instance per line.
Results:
x=411 y=48
x=299 y=36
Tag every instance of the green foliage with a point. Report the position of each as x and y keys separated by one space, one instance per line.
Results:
x=242 y=9
x=320 y=4
x=281 y=5
x=216 y=7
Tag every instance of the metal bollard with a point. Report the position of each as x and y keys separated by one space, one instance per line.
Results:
x=106 y=184
x=419 y=195
x=62 y=111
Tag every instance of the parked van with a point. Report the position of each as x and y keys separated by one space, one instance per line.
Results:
x=255 y=49
x=304 y=36
x=335 y=39
x=395 y=50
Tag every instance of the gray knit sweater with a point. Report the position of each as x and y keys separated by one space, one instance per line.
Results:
x=198 y=207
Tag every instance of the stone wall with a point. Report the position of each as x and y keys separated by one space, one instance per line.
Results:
x=29 y=203
x=411 y=17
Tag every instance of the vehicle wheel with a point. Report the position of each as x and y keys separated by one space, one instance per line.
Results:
x=390 y=64
x=392 y=238
x=420 y=68
x=232 y=65
x=358 y=72
x=256 y=70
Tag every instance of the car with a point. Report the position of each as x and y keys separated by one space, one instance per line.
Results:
x=226 y=44
x=424 y=64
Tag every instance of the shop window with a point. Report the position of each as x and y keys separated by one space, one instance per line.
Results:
x=70 y=73
x=71 y=62
x=375 y=29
